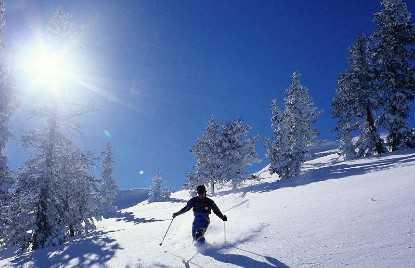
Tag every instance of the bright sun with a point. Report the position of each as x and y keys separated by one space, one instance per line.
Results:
x=48 y=67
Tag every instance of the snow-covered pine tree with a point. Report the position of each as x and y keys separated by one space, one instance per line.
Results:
x=367 y=99
x=208 y=155
x=192 y=181
x=355 y=104
x=6 y=109
x=37 y=192
x=36 y=221
x=239 y=151
x=299 y=116
x=345 y=138
x=20 y=222
x=56 y=196
x=393 y=50
x=222 y=154
x=157 y=191
x=277 y=147
x=80 y=198
x=342 y=109
x=109 y=188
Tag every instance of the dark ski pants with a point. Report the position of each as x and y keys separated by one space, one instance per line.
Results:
x=200 y=223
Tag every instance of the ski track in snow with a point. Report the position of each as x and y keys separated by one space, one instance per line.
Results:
x=357 y=213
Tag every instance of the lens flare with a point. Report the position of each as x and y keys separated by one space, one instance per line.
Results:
x=107 y=134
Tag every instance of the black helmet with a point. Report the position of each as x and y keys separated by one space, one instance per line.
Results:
x=201 y=189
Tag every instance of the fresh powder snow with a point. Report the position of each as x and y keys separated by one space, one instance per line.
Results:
x=337 y=213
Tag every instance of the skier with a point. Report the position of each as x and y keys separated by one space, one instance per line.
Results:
x=202 y=206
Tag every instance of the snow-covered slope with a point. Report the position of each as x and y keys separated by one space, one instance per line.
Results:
x=355 y=213
x=130 y=197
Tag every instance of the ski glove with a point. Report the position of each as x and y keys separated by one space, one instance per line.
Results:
x=175 y=215
x=224 y=218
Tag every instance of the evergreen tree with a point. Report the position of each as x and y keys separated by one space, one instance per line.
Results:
x=193 y=180
x=343 y=110
x=355 y=104
x=346 y=146
x=209 y=166
x=109 y=188
x=6 y=102
x=55 y=196
x=37 y=191
x=238 y=150
x=277 y=147
x=80 y=192
x=222 y=154
x=157 y=192
x=293 y=130
x=393 y=49
x=6 y=109
x=46 y=225
x=367 y=99
x=299 y=116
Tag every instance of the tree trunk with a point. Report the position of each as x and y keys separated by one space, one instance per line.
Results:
x=44 y=228
x=373 y=131
x=42 y=232
x=71 y=231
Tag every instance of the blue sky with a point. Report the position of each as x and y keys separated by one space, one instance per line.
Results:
x=160 y=69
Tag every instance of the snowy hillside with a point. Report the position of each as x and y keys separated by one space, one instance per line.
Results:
x=354 y=213
x=130 y=197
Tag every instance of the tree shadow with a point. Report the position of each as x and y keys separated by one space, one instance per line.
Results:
x=348 y=169
x=93 y=249
x=160 y=265
x=271 y=260
x=242 y=260
x=130 y=217
x=218 y=247
x=216 y=252
x=6 y=253
x=332 y=170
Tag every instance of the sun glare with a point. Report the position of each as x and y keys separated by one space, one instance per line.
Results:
x=48 y=67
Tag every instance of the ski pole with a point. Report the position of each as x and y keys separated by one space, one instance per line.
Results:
x=224 y=231
x=161 y=243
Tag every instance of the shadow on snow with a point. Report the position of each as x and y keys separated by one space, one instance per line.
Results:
x=217 y=252
x=333 y=170
x=93 y=249
x=242 y=260
x=219 y=255
x=129 y=217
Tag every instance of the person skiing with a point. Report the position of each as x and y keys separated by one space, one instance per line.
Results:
x=202 y=206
